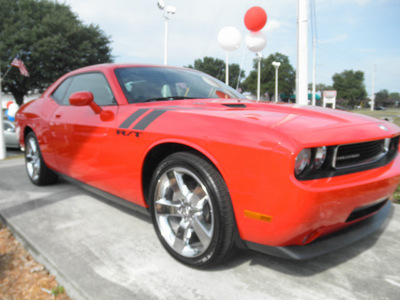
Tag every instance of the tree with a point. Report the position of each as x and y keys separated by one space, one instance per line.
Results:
x=216 y=68
x=49 y=39
x=286 y=76
x=381 y=97
x=320 y=87
x=350 y=86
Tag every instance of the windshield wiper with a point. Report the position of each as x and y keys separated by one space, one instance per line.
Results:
x=168 y=98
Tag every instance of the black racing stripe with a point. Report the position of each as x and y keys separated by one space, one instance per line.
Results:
x=133 y=117
x=147 y=120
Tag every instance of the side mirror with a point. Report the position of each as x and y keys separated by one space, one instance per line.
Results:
x=86 y=98
x=81 y=98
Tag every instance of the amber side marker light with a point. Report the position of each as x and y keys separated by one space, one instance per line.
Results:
x=257 y=216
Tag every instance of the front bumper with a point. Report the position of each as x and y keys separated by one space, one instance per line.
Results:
x=331 y=242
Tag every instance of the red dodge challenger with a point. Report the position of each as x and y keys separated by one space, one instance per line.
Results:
x=215 y=171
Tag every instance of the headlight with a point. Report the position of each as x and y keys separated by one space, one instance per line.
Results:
x=320 y=156
x=302 y=161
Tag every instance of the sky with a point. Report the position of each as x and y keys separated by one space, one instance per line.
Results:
x=350 y=34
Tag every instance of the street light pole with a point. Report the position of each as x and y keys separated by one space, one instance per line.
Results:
x=168 y=12
x=276 y=64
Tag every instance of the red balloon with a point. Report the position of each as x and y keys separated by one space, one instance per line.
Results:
x=9 y=103
x=255 y=18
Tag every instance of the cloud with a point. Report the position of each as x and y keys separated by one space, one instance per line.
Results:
x=273 y=25
x=339 y=38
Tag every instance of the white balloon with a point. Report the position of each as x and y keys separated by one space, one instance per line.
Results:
x=12 y=109
x=229 y=38
x=256 y=41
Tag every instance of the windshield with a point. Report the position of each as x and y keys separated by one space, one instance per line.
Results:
x=144 y=84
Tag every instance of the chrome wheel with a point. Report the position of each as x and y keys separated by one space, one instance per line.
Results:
x=191 y=210
x=184 y=212
x=32 y=155
x=38 y=172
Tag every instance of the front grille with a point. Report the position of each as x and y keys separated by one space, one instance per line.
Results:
x=351 y=158
x=351 y=155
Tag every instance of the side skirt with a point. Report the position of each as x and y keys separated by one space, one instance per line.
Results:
x=119 y=201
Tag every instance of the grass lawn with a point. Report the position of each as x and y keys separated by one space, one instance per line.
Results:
x=396 y=196
x=392 y=114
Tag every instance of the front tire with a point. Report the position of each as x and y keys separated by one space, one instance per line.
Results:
x=191 y=210
x=38 y=172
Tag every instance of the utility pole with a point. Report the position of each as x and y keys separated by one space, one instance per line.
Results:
x=373 y=88
x=302 y=53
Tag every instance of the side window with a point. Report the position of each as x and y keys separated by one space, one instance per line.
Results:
x=95 y=83
x=59 y=93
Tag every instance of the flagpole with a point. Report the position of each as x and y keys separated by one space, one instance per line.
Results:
x=8 y=70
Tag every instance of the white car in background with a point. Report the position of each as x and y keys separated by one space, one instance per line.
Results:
x=10 y=137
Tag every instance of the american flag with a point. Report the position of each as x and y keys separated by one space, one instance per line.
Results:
x=20 y=65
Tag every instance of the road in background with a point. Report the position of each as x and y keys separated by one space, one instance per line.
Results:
x=13 y=152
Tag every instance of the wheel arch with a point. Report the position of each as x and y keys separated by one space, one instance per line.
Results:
x=27 y=129
x=25 y=132
x=160 y=151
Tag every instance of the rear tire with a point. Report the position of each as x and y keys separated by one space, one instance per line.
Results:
x=38 y=172
x=191 y=210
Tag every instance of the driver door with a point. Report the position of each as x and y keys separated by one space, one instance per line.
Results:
x=80 y=136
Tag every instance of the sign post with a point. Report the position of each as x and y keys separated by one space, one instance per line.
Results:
x=329 y=97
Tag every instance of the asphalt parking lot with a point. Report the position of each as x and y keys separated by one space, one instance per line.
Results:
x=98 y=250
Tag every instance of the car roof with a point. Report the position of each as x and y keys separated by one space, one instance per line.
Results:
x=112 y=66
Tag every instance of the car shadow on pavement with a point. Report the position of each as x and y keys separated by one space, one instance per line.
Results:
x=28 y=205
x=132 y=212
x=309 y=267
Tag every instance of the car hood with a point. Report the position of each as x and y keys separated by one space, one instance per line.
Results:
x=302 y=123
